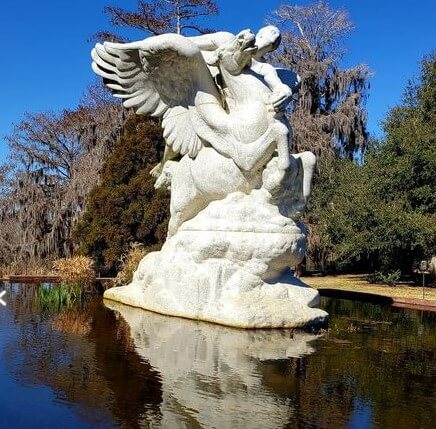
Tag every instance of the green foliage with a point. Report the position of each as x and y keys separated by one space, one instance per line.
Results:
x=54 y=298
x=391 y=278
x=381 y=215
x=125 y=208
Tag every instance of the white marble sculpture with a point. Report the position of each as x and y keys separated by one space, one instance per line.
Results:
x=236 y=192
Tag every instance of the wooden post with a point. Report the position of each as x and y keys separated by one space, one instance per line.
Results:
x=423 y=284
x=423 y=268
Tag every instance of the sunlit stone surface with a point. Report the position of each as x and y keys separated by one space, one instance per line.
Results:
x=236 y=192
x=209 y=373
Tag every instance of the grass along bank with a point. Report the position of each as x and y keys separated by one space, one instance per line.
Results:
x=357 y=283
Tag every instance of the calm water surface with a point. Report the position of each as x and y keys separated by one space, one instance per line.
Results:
x=91 y=366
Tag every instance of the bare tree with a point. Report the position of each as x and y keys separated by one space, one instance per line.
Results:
x=329 y=116
x=155 y=17
x=55 y=162
x=56 y=159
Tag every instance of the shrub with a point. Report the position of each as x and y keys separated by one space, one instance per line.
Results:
x=75 y=271
x=129 y=263
x=390 y=278
x=77 y=277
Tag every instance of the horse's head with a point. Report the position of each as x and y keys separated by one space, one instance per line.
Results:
x=236 y=54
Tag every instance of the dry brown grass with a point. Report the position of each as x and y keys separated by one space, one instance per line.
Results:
x=129 y=264
x=36 y=269
x=75 y=270
x=357 y=283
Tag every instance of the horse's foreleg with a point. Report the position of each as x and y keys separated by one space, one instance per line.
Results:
x=283 y=138
x=183 y=195
x=251 y=155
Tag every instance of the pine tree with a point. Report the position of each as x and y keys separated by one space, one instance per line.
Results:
x=125 y=208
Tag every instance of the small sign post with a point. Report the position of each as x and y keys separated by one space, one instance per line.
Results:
x=423 y=268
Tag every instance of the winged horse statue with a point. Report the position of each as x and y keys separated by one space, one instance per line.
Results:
x=222 y=110
x=237 y=192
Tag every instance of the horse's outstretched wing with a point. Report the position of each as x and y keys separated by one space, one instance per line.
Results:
x=159 y=76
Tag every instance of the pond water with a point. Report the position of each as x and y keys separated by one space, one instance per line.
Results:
x=90 y=366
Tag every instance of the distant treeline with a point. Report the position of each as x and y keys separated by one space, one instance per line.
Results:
x=78 y=181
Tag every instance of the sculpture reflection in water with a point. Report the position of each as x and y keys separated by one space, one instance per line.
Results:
x=110 y=369
x=237 y=193
x=210 y=374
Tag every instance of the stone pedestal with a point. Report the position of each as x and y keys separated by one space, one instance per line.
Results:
x=229 y=265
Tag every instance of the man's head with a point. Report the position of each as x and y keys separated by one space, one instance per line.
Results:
x=267 y=40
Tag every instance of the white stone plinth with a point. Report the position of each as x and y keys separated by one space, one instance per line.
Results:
x=228 y=265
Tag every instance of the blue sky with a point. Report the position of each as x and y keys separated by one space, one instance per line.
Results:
x=45 y=63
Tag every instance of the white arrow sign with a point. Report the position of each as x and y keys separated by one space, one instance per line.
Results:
x=2 y=294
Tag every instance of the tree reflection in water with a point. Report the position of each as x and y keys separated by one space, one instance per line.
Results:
x=374 y=366
x=86 y=355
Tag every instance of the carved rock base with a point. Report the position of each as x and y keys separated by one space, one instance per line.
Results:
x=228 y=265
